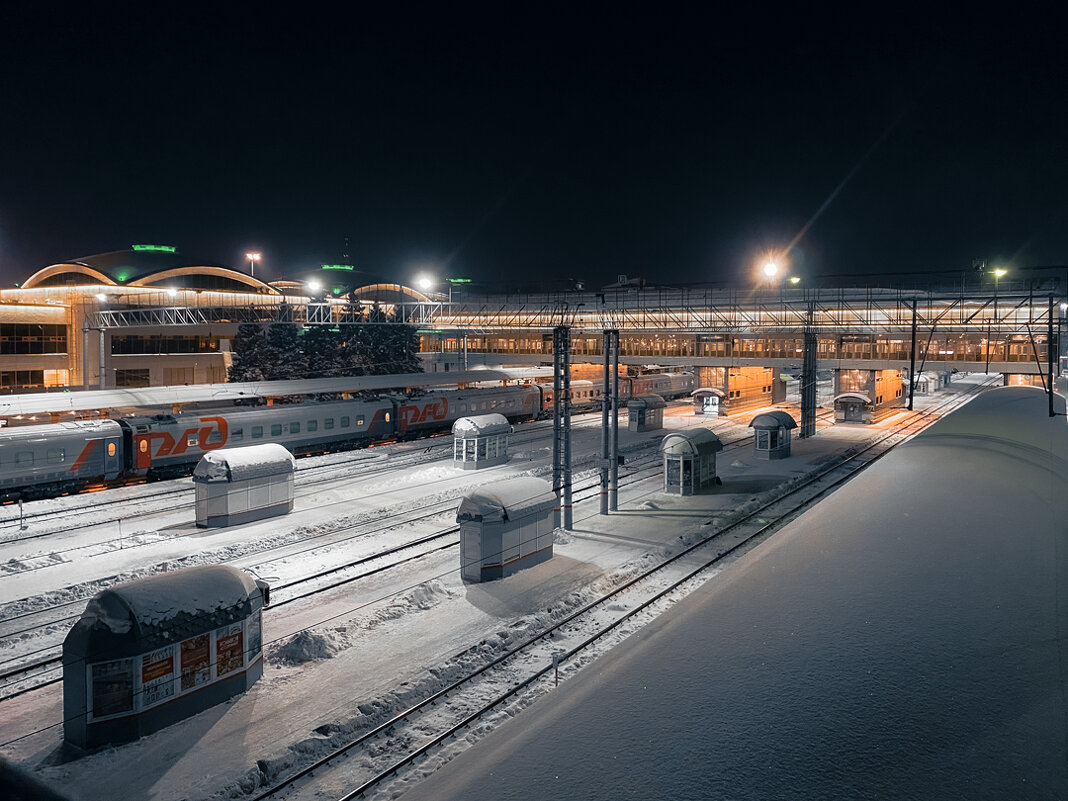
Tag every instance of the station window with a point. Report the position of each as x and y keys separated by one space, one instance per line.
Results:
x=24 y=457
x=111 y=449
x=276 y=430
x=313 y=425
x=294 y=428
x=257 y=432
x=344 y=422
x=237 y=433
x=56 y=456
x=328 y=423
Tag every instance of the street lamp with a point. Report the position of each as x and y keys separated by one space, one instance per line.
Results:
x=252 y=259
x=315 y=286
x=425 y=282
x=770 y=270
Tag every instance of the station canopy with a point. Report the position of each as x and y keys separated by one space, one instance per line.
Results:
x=481 y=425
x=507 y=500
x=773 y=420
x=695 y=442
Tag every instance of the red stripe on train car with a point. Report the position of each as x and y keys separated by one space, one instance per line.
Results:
x=74 y=468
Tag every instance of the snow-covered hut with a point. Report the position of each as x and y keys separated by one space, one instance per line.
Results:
x=239 y=485
x=645 y=413
x=708 y=401
x=505 y=526
x=690 y=460
x=155 y=650
x=772 y=434
x=480 y=441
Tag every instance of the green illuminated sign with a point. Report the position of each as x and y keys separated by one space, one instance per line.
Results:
x=458 y=280
x=155 y=248
x=346 y=267
x=122 y=276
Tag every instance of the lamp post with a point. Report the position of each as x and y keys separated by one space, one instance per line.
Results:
x=252 y=259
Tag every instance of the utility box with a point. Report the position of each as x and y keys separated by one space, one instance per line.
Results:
x=504 y=527
x=480 y=441
x=240 y=485
x=155 y=650
x=645 y=413
x=771 y=431
x=690 y=461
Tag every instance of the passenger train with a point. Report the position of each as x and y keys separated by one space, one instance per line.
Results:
x=48 y=460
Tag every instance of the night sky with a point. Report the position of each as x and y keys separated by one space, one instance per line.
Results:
x=531 y=143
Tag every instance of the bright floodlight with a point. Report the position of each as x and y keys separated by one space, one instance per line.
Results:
x=1000 y=271
x=424 y=282
x=172 y=292
x=795 y=279
x=315 y=286
x=252 y=256
x=101 y=296
x=770 y=269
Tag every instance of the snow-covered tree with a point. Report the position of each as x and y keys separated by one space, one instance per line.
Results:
x=284 y=338
x=251 y=354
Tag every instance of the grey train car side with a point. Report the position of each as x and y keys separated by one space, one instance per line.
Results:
x=46 y=460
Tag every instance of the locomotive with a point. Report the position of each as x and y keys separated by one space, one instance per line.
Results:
x=49 y=460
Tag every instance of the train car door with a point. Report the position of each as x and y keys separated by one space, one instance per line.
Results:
x=112 y=457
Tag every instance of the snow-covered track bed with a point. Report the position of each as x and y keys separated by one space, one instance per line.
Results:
x=414 y=741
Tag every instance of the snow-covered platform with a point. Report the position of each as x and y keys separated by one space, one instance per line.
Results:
x=903 y=639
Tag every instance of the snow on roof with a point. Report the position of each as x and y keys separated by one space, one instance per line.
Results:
x=853 y=396
x=773 y=419
x=152 y=601
x=695 y=441
x=708 y=391
x=240 y=464
x=480 y=425
x=646 y=402
x=507 y=500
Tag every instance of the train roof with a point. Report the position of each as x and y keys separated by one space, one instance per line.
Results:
x=167 y=397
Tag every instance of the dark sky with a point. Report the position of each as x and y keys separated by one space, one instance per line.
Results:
x=517 y=143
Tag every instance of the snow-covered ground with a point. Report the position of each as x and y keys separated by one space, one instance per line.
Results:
x=352 y=655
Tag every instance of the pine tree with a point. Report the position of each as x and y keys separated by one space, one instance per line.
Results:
x=251 y=354
x=283 y=338
x=322 y=349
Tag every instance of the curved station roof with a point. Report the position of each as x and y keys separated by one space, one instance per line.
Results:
x=159 y=266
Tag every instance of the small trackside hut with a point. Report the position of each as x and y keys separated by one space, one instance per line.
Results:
x=505 y=527
x=645 y=413
x=771 y=431
x=240 y=485
x=690 y=461
x=480 y=441
x=156 y=650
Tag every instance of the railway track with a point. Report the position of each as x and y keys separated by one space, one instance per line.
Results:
x=431 y=725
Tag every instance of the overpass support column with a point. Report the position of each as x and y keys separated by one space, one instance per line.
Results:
x=606 y=405
x=808 y=380
x=613 y=458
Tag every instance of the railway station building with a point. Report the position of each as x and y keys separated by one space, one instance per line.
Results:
x=149 y=316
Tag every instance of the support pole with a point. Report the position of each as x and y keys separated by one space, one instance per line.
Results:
x=808 y=379
x=103 y=368
x=1049 y=356
x=85 y=357
x=562 y=424
x=613 y=458
x=606 y=404
x=912 y=357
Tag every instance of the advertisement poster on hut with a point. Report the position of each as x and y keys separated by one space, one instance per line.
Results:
x=157 y=676
x=196 y=661
x=112 y=688
x=229 y=649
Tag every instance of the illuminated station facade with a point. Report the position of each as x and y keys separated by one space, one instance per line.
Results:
x=146 y=316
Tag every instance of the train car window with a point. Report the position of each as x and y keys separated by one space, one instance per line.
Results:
x=463 y=408
x=313 y=425
x=215 y=436
x=344 y=422
x=276 y=430
x=387 y=417
x=56 y=455
x=359 y=421
x=143 y=446
x=24 y=457
x=328 y=423
x=294 y=428
x=257 y=432
x=237 y=433
x=111 y=449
